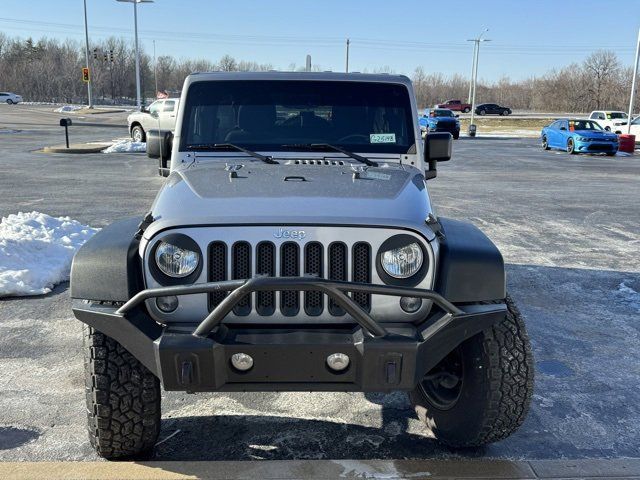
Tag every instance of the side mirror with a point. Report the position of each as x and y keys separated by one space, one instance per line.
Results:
x=563 y=128
x=457 y=116
x=437 y=148
x=154 y=114
x=159 y=145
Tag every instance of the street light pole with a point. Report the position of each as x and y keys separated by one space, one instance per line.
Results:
x=135 y=26
x=347 y=64
x=86 y=38
x=474 y=80
x=473 y=69
x=633 y=85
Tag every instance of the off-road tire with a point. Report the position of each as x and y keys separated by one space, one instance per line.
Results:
x=497 y=385
x=123 y=399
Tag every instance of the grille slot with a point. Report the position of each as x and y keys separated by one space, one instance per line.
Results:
x=266 y=265
x=217 y=270
x=241 y=269
x=244 y=259
x=362 y=272
x=313 y=301
x=289 y=267
x=337 y=271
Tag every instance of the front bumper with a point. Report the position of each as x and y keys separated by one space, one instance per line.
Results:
x=382 y=357
x=596 y=147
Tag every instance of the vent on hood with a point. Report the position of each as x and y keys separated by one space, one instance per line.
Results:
x=334 y=163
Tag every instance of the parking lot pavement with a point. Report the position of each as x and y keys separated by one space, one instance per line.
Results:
x=567 y=225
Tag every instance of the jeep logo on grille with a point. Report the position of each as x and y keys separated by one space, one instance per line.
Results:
x=294 y=234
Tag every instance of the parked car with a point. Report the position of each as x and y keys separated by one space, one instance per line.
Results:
x=492 y=109
x=635 y=128
x=610 y=120
x=10 y=98
x=456 y=106
x=315 y=263
x=160 y=115
x=579 y=136
x=439 y=120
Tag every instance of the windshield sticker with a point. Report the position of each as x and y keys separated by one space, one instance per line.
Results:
x=382 y=138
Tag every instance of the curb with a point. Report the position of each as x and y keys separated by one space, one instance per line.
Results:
x=326 y=469
x=77 y=148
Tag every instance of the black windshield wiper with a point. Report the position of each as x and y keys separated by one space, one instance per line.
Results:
x=229 y=146
x=318 y=146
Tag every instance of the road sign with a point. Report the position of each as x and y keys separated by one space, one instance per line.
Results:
x=85 y=75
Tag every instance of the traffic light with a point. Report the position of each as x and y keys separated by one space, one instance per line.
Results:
x=85 y=74
x=95 y=53
x=111 y=55
x=105 y=56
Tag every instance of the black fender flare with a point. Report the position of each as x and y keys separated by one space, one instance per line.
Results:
x=470 y=266
x=107 y=267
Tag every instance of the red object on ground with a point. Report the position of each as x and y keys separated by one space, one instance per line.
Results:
x=627 y=143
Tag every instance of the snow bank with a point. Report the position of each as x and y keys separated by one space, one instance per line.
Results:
x=36 y=251
x=68 y=108
x=126 y=146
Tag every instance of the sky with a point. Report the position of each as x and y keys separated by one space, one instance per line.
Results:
x=528 y=37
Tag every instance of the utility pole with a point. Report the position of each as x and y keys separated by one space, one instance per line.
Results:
x=86 y=38
x=307 y=67
x=633 y=85
x=347 y=65
x=474 y=81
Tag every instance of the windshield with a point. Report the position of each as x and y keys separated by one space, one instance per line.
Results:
x=271 y=115
x=583 y=125
x=614 y=115
x=442 y=113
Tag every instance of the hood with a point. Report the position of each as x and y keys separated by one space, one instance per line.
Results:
x=292 y=193
x=595 y=134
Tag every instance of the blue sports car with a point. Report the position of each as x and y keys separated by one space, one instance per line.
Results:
x=439 y=120
x=579 y=136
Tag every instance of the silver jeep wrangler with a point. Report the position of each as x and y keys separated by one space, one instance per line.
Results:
x=293 y=247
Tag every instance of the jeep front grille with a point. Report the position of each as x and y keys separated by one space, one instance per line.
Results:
x=264 y=258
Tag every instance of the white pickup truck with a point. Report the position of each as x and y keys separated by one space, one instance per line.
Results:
x=612 y=121
x=160 y=115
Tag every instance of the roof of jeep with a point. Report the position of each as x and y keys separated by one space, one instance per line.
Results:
x=317 y=76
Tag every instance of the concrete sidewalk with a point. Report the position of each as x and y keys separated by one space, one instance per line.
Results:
x=326 y=469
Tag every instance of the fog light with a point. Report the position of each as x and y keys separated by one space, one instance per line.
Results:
x=241 y=361
x=338 y=361
x=410 y=304
x=167 y=304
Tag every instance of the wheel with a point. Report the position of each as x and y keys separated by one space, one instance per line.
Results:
x=505 y=113
x=545 y=143
x=466 y=110
x=482 y=112
x=123 y=399
x=137 y=134
x=571 y=147
x=481 y=392
x=9 y=101
x=456 y=135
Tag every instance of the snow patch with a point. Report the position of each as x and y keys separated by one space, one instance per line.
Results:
x=36 y=251
x=9 y=130
x=126 y=146
x=629 y=296
x=68 y=108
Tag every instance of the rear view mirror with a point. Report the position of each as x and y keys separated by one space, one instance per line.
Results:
x=437 y=148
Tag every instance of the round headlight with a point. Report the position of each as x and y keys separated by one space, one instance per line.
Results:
x=402 y=262
x=175 y=261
